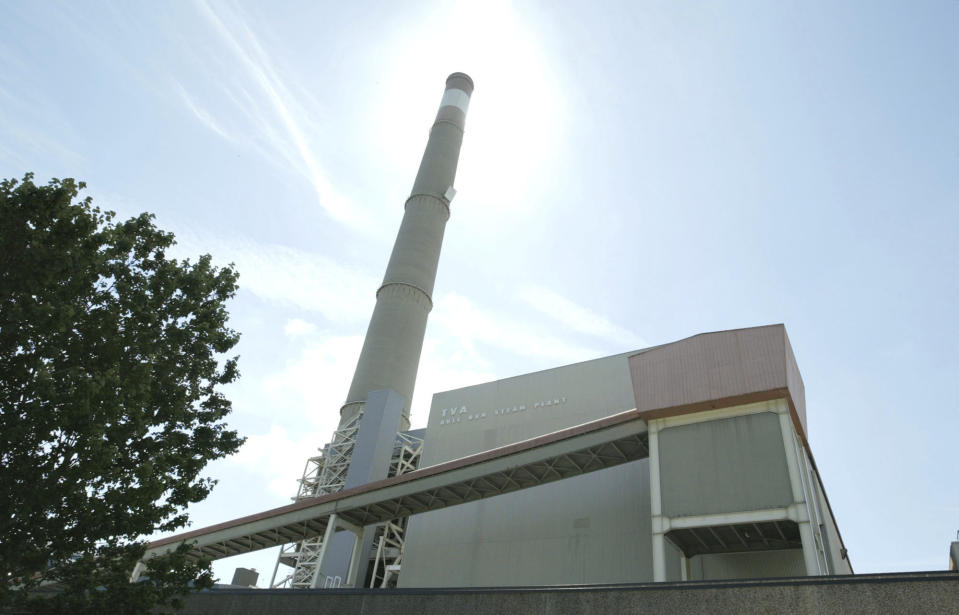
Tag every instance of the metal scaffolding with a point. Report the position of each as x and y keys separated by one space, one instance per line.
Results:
x=390 y=536
x=325 y=474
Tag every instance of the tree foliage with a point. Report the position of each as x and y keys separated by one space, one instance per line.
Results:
x=111 y=361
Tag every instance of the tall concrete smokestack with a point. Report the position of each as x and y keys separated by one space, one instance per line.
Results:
x=394 y=339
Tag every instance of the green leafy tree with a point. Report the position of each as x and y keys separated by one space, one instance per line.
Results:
x=111 y=361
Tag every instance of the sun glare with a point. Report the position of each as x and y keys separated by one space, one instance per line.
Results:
x=516 y=114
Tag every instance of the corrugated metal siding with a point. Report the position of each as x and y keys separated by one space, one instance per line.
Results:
x=766 y=564
x=715 y=370
x=838 y=563
x=592 y=528
x=586 y=529
x=727 y=465
x=709 y=367
x=797 y=390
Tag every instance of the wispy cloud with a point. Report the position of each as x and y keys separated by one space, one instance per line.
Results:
x=25 y=133
x=279 y=117
x=201 y=114
x=312 y=387
x=275 y=457
x=314 y=384
x=469 y=323
x=290 y=277
x=578 y=318
x=444 y=367
x=296 y=327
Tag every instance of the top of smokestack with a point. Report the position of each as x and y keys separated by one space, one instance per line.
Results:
x=460 y=81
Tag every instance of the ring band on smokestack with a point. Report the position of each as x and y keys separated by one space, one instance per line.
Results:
x=394 y=339
x=459 y=88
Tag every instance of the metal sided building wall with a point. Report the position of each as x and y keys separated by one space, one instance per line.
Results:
x=589 y=529
x=727 y=426
x=724 y=466
x=835 y=550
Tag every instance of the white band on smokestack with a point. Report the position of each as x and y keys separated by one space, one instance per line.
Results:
x=456 y=98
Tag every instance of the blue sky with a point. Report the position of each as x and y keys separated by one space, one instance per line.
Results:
x=631 y=174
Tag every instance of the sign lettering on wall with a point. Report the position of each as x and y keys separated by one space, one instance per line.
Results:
x=458 y=414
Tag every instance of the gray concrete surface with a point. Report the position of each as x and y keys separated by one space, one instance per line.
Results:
x=394 y=339
x=917 y=592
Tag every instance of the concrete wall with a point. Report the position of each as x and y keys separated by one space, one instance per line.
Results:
x=866 y=594
x=589 y=529
x=727 y=465
x=394 y=339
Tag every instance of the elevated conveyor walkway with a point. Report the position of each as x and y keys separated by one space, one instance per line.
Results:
x=592 y=446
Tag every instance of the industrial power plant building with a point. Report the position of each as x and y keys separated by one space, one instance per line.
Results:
x=681 y=462
x=729 y=489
